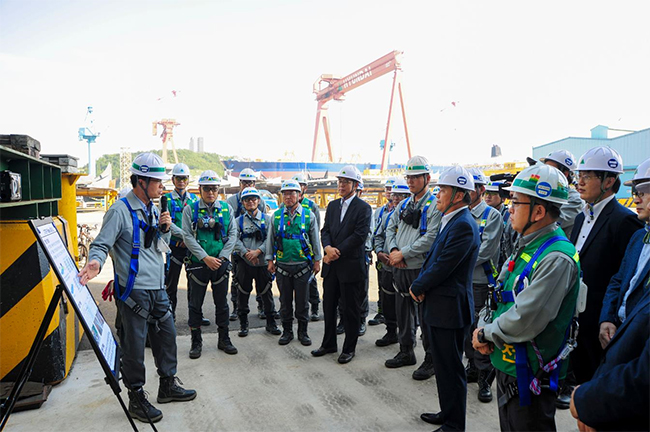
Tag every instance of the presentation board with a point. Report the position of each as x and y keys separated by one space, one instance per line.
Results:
x=93 y=322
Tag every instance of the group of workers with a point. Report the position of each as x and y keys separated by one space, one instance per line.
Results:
x=547 y=296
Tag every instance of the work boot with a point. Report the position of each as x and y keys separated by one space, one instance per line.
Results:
x=170 y=391
x=272 y=327
x=197 y=344
x=224 y=343
x=287 y=334
x=340 y=329
x=484 y=389
x=563 y=400
x=276 y=314
x=260 y=313
x=140 y=412
x=205 y=322
x=426 y=370
x=303 y=337
x=378 y=319
x=314 y=313
x=233 y=315
x=471 y=371
x=389 y=338
x=362 y=327
x=243 y=326
x=405 y=357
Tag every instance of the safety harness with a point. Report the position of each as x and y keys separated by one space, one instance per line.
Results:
x=261 y=229
x=423 y=216
x=302 y=237
x=195 y=219
x=488 y=266
x=527 y=382
x=134 y=267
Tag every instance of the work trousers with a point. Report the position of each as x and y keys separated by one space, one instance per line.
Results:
x=387 y=296
x=245 y=275
x=407 y=310
x=314 y=296
x=234 y=291
x=133 y=334
x=290 y=288
x=451 y=378
x=174 y=265
x=538 y=416
x=198 y=278
x=482 y=362
x=349 y=296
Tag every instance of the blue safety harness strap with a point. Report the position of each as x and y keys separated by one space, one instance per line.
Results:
x=302 y=237
x=195 y=220
x=423 y=222
x=381 y=213
x=135 y=254
x=525 y=374
x=243 y=235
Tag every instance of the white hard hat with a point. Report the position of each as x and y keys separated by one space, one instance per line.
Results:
x=247 y=174
x=389 y=182
x=149 y=165
x=180 y=169
x=300 y=178
x=543 y=182
x=349 y=172
x=563 y=157
x=493 y=186
x=417 y=165
x=478 y=176
x=290 y=185
x=209 y=177
x=642 y=173
x=601 y=159
x=643 y=187
x=456 y=176
x=250 y=192
x=400 y=187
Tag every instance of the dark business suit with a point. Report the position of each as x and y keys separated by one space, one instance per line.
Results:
x=620 y=283
x=344 y=279
x=600 y=259
x=446 y=281
x=617 y=398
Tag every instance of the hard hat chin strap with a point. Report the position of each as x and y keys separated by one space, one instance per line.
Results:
x=530 y=216
x=147 y=180
x=454 y=189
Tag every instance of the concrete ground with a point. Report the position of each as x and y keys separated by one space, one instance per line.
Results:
x=264 y=387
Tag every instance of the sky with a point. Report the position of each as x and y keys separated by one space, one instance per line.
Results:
x=521 y=74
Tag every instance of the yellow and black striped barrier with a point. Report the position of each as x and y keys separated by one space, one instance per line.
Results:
x=27 y=284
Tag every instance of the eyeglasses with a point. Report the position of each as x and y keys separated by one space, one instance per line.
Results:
x=249 y=199
x=586 y=177
x=209 y=188
x=491 y=193
x=181 y=178
x=413 y=177
x=518 y=203
x=247 y=183
x=345 y=182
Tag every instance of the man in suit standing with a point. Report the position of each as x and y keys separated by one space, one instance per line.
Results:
x=616 y=398
x=601 y=234
x=445 y=286
x=344 y=234
x=627 y=286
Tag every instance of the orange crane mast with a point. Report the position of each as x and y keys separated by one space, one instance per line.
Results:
x=329 y=87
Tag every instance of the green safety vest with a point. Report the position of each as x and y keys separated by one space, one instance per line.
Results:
x=551 y=340
x=176 y=207
x=292 y=250
x=205 y=237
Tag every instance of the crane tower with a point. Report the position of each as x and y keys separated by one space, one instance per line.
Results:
x=167 y=135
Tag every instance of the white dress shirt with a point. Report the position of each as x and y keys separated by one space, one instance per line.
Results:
x=344 y=206
x=589 y=223
x=447 y=217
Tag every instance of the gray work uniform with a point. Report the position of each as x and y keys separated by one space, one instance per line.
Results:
x=384 y=272
x=236 y=204
x=286 y=272
x=535 y=307
x=314 y=298
x=253 y=237
x=414 y=248
x=148 y=292
x=488 y=253
x=199 y=275
x=569 y=211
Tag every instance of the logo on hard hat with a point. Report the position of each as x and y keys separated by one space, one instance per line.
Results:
x=461 y=181
x=543 y=189
x=568 y=162
x=613 y=163
x=144 y=168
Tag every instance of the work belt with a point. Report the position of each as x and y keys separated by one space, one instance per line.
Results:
x=191 y=270
x=139 y=310
x=512 y=390
x=176 y=260
x=397 y=291
x=267 y=287
x=296 y=275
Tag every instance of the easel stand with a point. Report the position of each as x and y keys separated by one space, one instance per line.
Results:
x=28 y=365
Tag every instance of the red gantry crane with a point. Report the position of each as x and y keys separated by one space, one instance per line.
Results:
x=329 y=87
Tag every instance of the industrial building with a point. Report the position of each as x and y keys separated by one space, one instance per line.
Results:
x=634 y=148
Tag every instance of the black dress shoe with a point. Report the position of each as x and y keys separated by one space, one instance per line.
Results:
x=322 y=351
x=339 y=328
x=233 y=316
x=362 y=329
x=346 y=357
x=563 y=401
x=432 y=418
x=205 y=322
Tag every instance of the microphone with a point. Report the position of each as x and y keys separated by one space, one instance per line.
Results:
x=163 y=209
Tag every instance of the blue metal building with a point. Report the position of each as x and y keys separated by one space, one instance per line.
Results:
x=633 y=147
